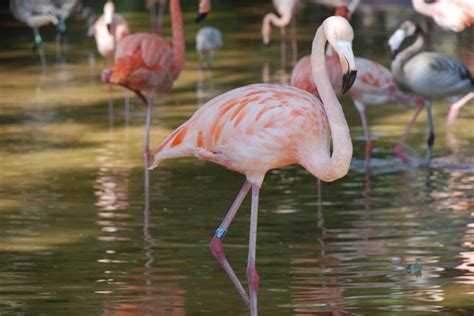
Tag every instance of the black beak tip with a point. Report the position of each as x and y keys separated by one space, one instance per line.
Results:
x=394 y=53
x=348 y=80
x=109 y=28
x=200 y=17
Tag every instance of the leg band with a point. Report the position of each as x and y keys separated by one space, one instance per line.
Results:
x=220 y=233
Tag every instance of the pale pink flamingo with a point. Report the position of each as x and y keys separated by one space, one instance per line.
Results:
x=146 y=63
x=451 y=15
x=108 y=30
x=287 y=10
x=260 y=127
x=375 y=84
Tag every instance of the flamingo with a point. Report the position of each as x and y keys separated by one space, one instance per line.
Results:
x=146 y=63
x=374 y=86
x=430 y=75
x=287 y=10
x=451 y=15
x=35 y=14
x=259 y=127
x=109 y=29
x=208 y=40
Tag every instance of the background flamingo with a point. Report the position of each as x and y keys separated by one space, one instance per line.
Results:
x=260 y=127
x=287 y=10
x=35 y=14
x=430 y=75
x=146 y=63
x=374 y=86
x=451 y=15
x=109 y=29
x=208 y=41
x=156 y=20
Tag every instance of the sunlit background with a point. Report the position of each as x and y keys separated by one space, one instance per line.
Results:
x=76 y=237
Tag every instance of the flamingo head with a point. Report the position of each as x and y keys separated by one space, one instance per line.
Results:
x=405 y=30
x=344 y=11
x=340 y=35
x=204 y=8
x=105 y=76
x=109 y=11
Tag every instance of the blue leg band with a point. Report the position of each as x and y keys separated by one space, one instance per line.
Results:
x=220 y=233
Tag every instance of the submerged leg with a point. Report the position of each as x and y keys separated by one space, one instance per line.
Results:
x=455 y=107
x=111 y=106
x=216 y=242
x=282 y=46
x=399 y=148
x=127 y=107
x=252 y=275
x=153 y=17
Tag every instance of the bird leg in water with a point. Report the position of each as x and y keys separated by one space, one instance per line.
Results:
x=38 y=41
x=252 y=275
x=294 y=47
x=151 y=101
x=431 y=136
x=216 y=242
x=399 y=148
x=368 y=145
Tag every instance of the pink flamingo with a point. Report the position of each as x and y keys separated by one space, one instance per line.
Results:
x=287 y=10
x=259 y=127
x=145 y=62
x=451 y=15
x=374 y=86
x=109 y=29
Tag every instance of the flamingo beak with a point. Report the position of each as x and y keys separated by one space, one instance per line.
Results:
x=109 y=28
x=348 y=80
x=201 y=16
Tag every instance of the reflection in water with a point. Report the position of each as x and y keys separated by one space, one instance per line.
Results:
x=153 y=288
x=206 y=86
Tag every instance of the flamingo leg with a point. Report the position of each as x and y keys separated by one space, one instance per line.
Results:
x=38 y=44
x=161 y=14
x=111 y=106
x=127 y=107
x=282 y=46
x=368 y=145
x=216 y=242
x=150 y=102
x=294 y=46
x=455 y=107
x=252 y=275
x=399 y=148
x=153 y=17
x=431 y=136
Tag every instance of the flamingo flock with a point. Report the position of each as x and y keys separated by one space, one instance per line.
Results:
x=259 y=127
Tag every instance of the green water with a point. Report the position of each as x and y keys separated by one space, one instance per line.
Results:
x=76 y=237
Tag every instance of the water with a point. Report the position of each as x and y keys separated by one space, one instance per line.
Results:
x=74 y=236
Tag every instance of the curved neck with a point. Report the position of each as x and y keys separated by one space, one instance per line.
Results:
x=335 y=166
x=179 y=48
x=404 y=56
x=422 y=7
x=272 y=18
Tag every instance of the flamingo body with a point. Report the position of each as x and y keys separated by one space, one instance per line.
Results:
x=251 y=130
x=143 y=63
